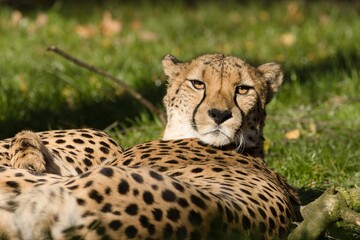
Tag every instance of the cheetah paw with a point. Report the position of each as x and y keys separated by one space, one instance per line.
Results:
x=26 y=152
x=31 y=161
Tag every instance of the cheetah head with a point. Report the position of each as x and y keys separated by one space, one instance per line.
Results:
x=218 y=99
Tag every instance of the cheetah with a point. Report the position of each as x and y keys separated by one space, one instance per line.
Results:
x=206 y=179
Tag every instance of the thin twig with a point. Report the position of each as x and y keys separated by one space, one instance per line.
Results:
x=111 y=126
x=120 y=82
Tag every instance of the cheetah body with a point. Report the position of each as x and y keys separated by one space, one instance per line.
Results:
x=165 y=197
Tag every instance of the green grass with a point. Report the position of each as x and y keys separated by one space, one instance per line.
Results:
x=316 y=42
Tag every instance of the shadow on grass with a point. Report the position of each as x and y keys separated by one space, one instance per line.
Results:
x=345 y=61
x=92 y=114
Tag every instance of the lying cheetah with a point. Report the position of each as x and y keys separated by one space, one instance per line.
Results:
x=205 y=180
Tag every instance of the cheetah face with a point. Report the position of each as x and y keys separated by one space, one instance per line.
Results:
x=218 y=99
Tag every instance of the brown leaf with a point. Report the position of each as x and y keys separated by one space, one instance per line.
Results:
x=41 y=19
x=293 y=134
x=287 y=39
x=136 y=25
x=324 y=19
x=110 y=26
x=16 y=16
x=337 y=101
x=294 y=13
x=148 y=36
x=264 y=16
x=87 y=31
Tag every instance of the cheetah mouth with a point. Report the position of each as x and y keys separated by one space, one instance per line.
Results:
x=217 y=132
x=216 y=138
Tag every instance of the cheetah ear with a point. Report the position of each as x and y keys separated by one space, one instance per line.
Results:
x=171 y=66
x=273 y=76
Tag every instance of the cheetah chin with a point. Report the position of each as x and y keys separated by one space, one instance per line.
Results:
x=216 y=138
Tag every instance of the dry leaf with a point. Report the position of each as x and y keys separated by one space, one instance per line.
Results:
x=337 y=101
x=324 y=19
x=136 y=25
x=85 y=31
x=41 y=19
x=148 y=36
x=109 y=26
x=293 y=134
x=264 y=16
x=287 y=39
x=16 y=16
x=294 y=12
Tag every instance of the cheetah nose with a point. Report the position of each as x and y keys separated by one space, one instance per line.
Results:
x=219 y=116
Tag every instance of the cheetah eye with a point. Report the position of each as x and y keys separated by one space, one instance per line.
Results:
x=198 y=85
x=243 y=89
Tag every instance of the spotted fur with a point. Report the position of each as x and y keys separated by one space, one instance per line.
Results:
x=176 y=189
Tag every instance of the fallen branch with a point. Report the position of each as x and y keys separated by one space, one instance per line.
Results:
x=120 y=82
x=333 y=205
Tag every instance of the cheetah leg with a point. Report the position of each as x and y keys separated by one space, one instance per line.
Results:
x=28 y=152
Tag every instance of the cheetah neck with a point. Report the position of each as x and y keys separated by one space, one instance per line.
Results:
x=175 y=132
